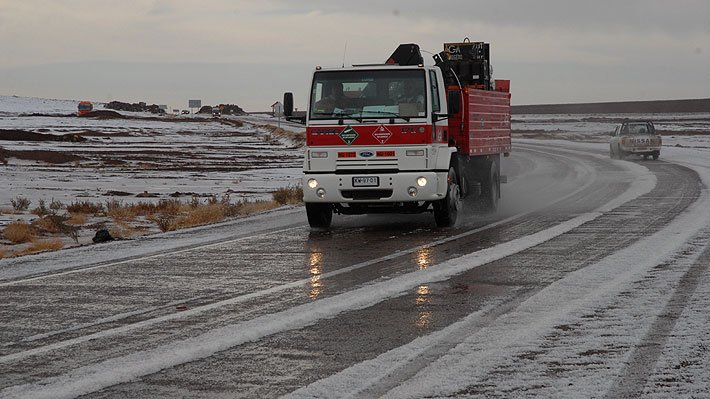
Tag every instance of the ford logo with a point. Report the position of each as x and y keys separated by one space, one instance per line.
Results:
x=366 y=154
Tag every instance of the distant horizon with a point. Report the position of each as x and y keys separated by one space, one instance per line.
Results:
x=254 y=87
x=707 y=99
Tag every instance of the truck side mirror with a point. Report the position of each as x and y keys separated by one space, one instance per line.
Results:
x=288 y=104
x=454 y=102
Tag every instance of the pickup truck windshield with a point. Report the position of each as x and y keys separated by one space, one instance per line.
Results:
x=638 y=128
x=368 y=94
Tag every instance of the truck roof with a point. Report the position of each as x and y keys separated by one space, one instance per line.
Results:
x=374 y=67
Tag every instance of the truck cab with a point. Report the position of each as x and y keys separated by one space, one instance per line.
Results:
x=377 y=140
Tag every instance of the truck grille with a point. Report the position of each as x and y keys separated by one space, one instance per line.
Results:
x=360 y=164
x=366 y=194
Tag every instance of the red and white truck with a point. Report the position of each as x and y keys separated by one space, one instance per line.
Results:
x=404 y=137
x=84 y=108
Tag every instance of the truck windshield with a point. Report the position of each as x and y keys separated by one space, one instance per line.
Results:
x=368 y=94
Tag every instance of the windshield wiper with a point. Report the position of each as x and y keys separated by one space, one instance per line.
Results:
x=389 y=113
x=339 y=115
x=350 y=115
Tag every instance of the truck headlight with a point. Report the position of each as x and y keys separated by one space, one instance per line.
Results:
x=412 y=191
x=320 y=192
x=415 y=153
x=421 y=181
x=319 y=154
x=312 y=183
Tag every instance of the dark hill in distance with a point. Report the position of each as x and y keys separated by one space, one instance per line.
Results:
x=622 y=107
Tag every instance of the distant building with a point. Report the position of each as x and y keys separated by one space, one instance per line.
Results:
x=277 y=108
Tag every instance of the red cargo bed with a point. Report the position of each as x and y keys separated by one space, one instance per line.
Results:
x=486 y=121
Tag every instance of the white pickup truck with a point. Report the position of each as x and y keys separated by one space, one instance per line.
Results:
x=637 y=138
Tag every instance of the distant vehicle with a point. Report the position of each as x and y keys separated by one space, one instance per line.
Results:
x=216 y=112
x=635 y=138
x=85 y=107
x=185 y=112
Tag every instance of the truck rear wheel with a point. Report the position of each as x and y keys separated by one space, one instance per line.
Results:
x=620 y=153
x=319 y=215
x=446 y=210
x=491 y=191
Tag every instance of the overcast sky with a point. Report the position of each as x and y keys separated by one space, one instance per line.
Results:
x=250 y=52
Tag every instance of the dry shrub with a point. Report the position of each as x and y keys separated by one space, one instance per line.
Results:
x=173 y=215
x=86 y=207
x=165 y=214
x=48 y=225
x=20 y=204
x=53 y=244
x=77 y=219
x=248 y=208
x=210 y=213
x=56 y=224
x=41 y=209
x=232 y=210
x=144 y=208
x=122 y=231
x=56 y=205
x=2 y=254
x=288 y=195
x=122 y=213
x=165 y=221
x=169 y=206
x=19 y=232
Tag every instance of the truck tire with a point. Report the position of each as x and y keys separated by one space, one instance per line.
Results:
x=446 y=210
x=319 y=215
x=490 y=193
x=656 y=155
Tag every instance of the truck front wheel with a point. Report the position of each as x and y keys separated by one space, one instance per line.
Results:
x=446 y=210
x=319 y=215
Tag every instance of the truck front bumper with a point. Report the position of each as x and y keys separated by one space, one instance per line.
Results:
x=390 y=187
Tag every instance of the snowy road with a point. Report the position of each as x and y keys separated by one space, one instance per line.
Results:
x=591 y=281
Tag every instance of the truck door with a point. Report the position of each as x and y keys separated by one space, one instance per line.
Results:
x=438 y=130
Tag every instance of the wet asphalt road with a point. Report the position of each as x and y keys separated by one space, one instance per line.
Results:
x=262 y=297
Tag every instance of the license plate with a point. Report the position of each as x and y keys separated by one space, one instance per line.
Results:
x=366 y=181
